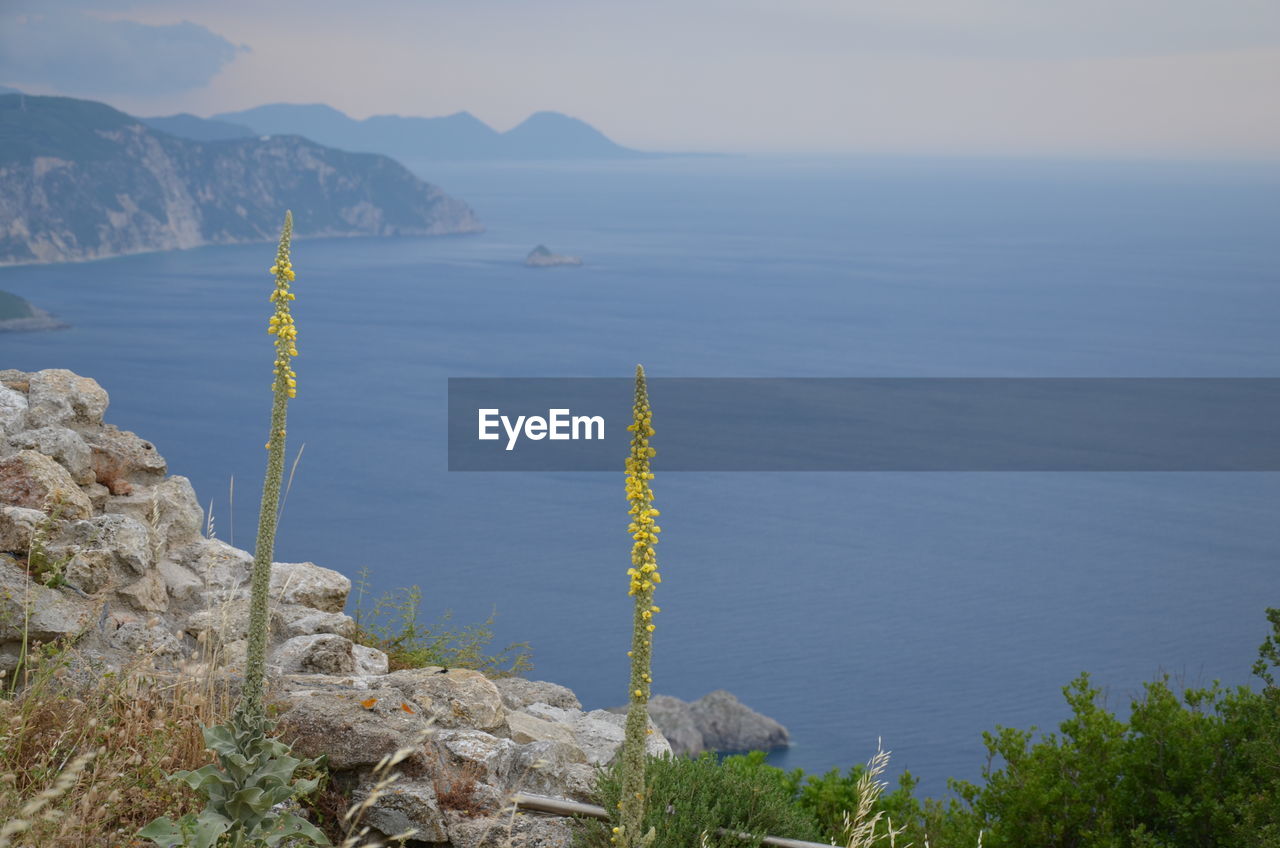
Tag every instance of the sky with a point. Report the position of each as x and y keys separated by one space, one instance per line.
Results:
x=1080 y=78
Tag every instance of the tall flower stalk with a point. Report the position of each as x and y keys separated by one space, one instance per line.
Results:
x=643 y=576
x=250 y=712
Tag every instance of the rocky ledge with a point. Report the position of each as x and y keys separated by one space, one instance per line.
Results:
x=541 y=257
x=139 y=582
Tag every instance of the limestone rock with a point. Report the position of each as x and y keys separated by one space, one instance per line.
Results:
x=13 y=410
x=17 y=524
x=456 y=698
x=223 y=569
x=518 y=693
x=728 y=725
x=147 y=593
x=524 y=728
x=121 y=459
x=105 y=550
x=33 y=480
x=289 y=620
x=336 y=724
x=59 y=397
x=486 y=757
x=551 y=768
x=406 y=805
x=64 y=446
x=183 y=585
x=598 y=733
x=675 y=718
x=310 y=585
x=323 y=653
x=369 y=661
x=527 y=830
x=170 y=508
x=53 y=613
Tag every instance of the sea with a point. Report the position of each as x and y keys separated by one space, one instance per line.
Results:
x=914 y=610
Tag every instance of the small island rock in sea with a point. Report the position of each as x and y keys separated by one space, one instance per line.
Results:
x=541 y=257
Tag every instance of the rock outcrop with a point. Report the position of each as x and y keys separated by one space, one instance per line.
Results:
x=101 y=546
x=715 y=722
x=541 y=257
x=80 y=180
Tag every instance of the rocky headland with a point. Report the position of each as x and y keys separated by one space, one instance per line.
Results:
x=18 y=315
x=80 y=180
x=101 y=547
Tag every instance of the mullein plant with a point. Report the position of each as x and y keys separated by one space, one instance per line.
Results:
x=643 y=577
x=247 y=788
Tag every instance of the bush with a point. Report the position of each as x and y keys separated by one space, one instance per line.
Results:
x=393 y=626
x=688 y=798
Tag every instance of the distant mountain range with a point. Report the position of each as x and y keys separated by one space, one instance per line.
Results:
x=544 y=135
x=80 y=180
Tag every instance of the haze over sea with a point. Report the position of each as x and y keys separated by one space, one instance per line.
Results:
x=921 y=608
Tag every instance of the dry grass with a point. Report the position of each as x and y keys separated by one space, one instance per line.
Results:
x=87 y=766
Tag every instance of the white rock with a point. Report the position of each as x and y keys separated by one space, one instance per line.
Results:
x=310 y=585
x=369 y=661
x=108 y=550
x=17 y=524
x=59 y=397
x=35 y=481
x=323 y=653
x=13 y=411
x=170 y=508
x=64 y=446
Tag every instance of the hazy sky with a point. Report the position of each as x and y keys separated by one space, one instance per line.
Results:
x=1168 y=78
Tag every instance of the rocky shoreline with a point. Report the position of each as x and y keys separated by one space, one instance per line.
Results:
x=138 y=580
x=37 y=320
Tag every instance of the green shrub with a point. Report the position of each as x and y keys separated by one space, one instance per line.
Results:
x=688 y=798
x=393 y=625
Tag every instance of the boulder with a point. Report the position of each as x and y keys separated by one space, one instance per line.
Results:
x=336 y=723
x=310 y=585
x=224 y=570
x=598 y=733
x=107 y=550
x=323 y=653
x=527 y=830
x=403 y=806
x=64 y=446
x=557 y=769
x=727 y=725
x=523 y=728
x=121 y=459
x=33 y=480
x=13 y=411
x=170 y=508
x=45 y=613
x=464 y=751
x=17 y=526
x=58 y=397
x=458 y=697
x=146 y=594
x=370 y=661
x=518 y=693
x=289 y=620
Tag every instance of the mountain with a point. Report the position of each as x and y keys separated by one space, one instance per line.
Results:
x=544 y=135
x=17 y=314
x=4 y=89
x=80 y=180
x=550 y=135
x=198 y=129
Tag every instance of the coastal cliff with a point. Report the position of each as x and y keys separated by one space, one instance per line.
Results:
x=102 y=550
x=80 y=180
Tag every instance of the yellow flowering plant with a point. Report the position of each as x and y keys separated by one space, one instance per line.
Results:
x=643 y=576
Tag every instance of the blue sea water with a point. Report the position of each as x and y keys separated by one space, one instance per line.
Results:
x=919 y=608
